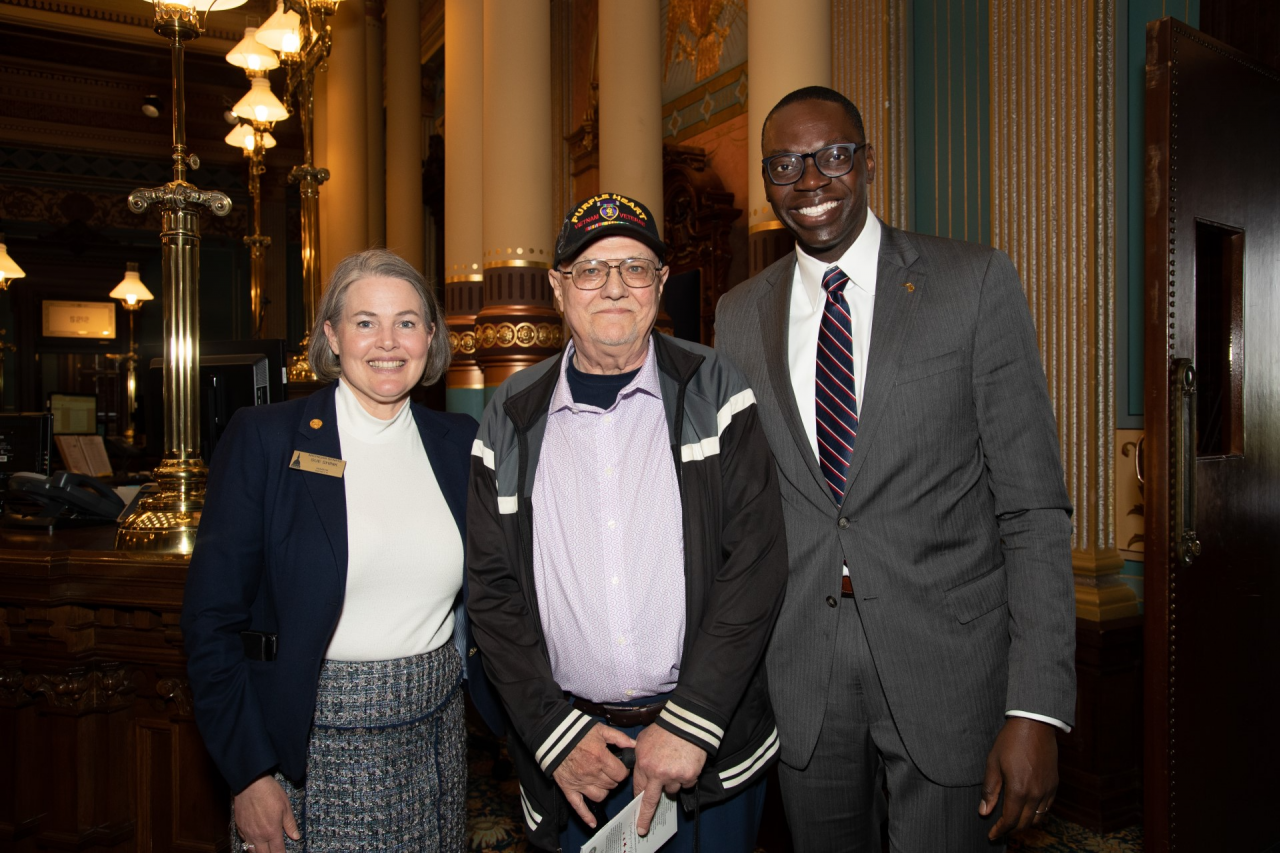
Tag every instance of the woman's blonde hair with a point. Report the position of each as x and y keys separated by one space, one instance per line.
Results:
x=376 y=263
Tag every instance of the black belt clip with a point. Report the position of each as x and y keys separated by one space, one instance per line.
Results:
x=259 y=646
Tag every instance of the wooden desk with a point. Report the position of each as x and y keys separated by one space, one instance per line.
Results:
x=98 y=746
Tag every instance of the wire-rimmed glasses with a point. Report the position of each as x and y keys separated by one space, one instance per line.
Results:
x=592 y=274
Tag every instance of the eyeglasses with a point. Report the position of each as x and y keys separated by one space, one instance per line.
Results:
x=593 y=274
x=834 y=161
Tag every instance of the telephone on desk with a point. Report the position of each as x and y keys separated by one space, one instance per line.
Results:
x=65 y=499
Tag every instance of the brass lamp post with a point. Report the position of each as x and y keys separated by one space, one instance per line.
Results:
x=132 y=293
x=299 y=33
x=166 y=520
x=254 y=140
x=9 y=270
x=258 y=111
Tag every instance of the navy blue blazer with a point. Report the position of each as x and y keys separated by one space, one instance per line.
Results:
x=271 y=556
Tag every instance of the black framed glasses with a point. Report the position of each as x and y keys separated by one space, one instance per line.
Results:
x=834 y=161
x=593 y=274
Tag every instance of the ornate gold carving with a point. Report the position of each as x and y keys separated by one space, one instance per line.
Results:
x=180 y=194
x=526 y=334
x=462 y=343
x=505 y=335
x=82 y=689
x=696 y=30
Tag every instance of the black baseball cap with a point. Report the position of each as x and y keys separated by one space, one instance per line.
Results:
x=607 y=215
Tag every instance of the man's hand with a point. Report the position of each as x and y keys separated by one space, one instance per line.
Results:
x=1024 y=763
x=664 y=762
x=263 y=816
x=590 y=769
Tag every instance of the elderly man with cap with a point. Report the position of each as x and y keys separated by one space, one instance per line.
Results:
x=626 y=558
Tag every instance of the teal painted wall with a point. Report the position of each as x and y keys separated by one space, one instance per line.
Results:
x=468 y=401
x=1131 y=575
x=951 y=102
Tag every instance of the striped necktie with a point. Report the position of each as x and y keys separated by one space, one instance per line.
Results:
x=837 y=401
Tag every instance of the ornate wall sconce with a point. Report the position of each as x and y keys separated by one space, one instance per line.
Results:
x=132 y=293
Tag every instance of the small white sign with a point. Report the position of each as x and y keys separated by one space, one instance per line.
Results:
x=79 y=320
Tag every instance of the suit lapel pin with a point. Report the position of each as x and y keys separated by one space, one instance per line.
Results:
x=911 y=288
x=316 y=423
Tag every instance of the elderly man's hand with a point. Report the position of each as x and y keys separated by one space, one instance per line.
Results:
x=591 y=770
x=263 y=816
x=664 y=762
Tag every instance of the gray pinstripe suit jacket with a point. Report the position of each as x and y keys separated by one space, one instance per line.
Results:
x=958 y=523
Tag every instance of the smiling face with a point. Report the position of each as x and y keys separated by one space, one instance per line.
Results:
x=611 y=325
x=381 y=341
x=825 y=215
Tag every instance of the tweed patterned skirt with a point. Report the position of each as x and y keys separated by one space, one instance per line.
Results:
x=386 y=763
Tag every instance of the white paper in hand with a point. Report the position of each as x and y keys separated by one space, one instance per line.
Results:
x=620 y=836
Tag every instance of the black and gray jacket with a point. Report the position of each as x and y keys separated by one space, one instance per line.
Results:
x=735 y=573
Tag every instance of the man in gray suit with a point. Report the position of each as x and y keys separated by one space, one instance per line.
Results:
x=926 y=643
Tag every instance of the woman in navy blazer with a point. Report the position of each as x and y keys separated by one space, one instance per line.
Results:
x=286 y=714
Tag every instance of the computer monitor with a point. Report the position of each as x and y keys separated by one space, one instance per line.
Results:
x=233 y=374
x=74 y=414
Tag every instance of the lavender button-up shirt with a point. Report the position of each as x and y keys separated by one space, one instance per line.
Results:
x=608 y=546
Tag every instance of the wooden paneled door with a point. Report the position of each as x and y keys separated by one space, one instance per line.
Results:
x=1213 y=445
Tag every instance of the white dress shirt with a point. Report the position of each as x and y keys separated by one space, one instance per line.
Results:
x=859 y=262
x=807 y=301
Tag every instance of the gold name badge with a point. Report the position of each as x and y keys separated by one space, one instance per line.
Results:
x=326 y=465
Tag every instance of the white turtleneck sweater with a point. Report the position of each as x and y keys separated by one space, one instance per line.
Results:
x=404 y=564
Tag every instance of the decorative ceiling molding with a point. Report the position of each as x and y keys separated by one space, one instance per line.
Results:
x=124 y=20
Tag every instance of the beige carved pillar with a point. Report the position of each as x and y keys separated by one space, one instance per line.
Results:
x=631 y=102
x=870 y=53
x=374 y=122
x=403 y=178
x=1053 y=172
x=517 y=326
x=348 y=188
x=777 y=65
x=463 y=205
